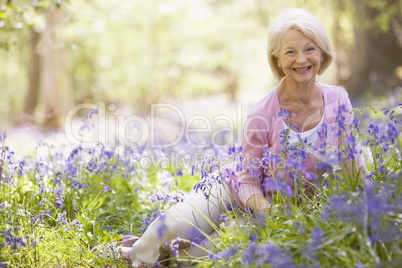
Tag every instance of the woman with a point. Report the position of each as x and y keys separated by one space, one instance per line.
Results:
x=298 y=50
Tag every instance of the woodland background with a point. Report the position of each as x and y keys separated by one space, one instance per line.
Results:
x=57 y=54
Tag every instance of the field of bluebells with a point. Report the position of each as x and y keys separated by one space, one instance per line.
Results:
x=55 y=208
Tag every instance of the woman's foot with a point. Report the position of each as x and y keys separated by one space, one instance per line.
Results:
x=128 y=240
x=116 y=249
x=125 y=253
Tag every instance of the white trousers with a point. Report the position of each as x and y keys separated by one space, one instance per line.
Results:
x=186 y=220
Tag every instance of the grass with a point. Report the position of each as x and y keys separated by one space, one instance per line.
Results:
x=54 y=210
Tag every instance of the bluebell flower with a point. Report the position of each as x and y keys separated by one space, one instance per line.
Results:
x=355 y=123
x=279 y=258
x=59 y=202
x=392 y=132
x=3 y=264
x=21 y=167
x=225 y=255
x=248 y=256
x=285 y=113
x=179 y=172
x=213 y=257
x=223 y=218
x=253 y=238
x=273 y=185
x=106 y=188
x=313 y=244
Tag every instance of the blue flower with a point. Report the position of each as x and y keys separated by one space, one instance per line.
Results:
x=106 y=187
x=3 y=264
x=223 y=218
x=213 y=257
x=313 y=244
x=253 y=238
x=227 y=253
x=179 y=173
x=249 y=254
x=59 y=202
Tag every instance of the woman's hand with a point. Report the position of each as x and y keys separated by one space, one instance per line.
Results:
x=259 y=204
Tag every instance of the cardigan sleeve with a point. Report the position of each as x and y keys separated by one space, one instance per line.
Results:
x=255 y=134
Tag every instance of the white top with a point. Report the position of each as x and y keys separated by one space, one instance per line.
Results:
x=311 y=135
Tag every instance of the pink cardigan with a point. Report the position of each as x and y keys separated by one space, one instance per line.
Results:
x=263 y=126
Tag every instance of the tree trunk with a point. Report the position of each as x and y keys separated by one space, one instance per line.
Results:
x=377 y=54
x=31 y=98
x=54 y=81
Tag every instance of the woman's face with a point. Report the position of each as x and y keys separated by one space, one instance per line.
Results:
x=299 y=57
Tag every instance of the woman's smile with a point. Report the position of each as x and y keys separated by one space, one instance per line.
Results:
x=302 y=70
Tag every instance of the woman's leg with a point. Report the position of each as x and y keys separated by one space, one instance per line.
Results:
x=182 y=220
x=205 y=245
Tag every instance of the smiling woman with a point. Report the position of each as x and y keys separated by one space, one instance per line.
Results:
x=298 y=112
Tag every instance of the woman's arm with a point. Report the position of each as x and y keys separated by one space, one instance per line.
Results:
x=254 y=138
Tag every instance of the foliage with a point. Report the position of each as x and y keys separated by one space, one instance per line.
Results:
x=54 y=209
x=142 y=52
x=16 y=14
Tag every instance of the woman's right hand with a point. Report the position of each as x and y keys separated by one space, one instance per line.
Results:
x=259 y=204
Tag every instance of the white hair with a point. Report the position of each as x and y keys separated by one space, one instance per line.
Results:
x=301 y=20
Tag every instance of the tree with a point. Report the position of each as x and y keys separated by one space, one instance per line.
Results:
x=31 y=98
x=47 y=80
x=378 y=50
x=53 y=76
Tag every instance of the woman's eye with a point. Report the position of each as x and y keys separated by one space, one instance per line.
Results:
x=289 y=52
x=310 y=49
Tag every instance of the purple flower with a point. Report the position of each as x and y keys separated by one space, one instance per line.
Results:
x=342 y=208
x=59 y=202
x=285 y=113
x=232 y=150
x=253 y=238
x=3 y=264
x=323 y=131
x=272 y=185
x=106 y=187
x=213 y=257
x=313 y=243
x=392 y=132
x=175 y=247
x=61 y=218
x=21 y=167
x=12 y=240
x=249 y=254
x=355 y=123
x=227 y=253
x=277 y=257
x=179 y=173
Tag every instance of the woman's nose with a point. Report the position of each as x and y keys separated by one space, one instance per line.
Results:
x=300 y=58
